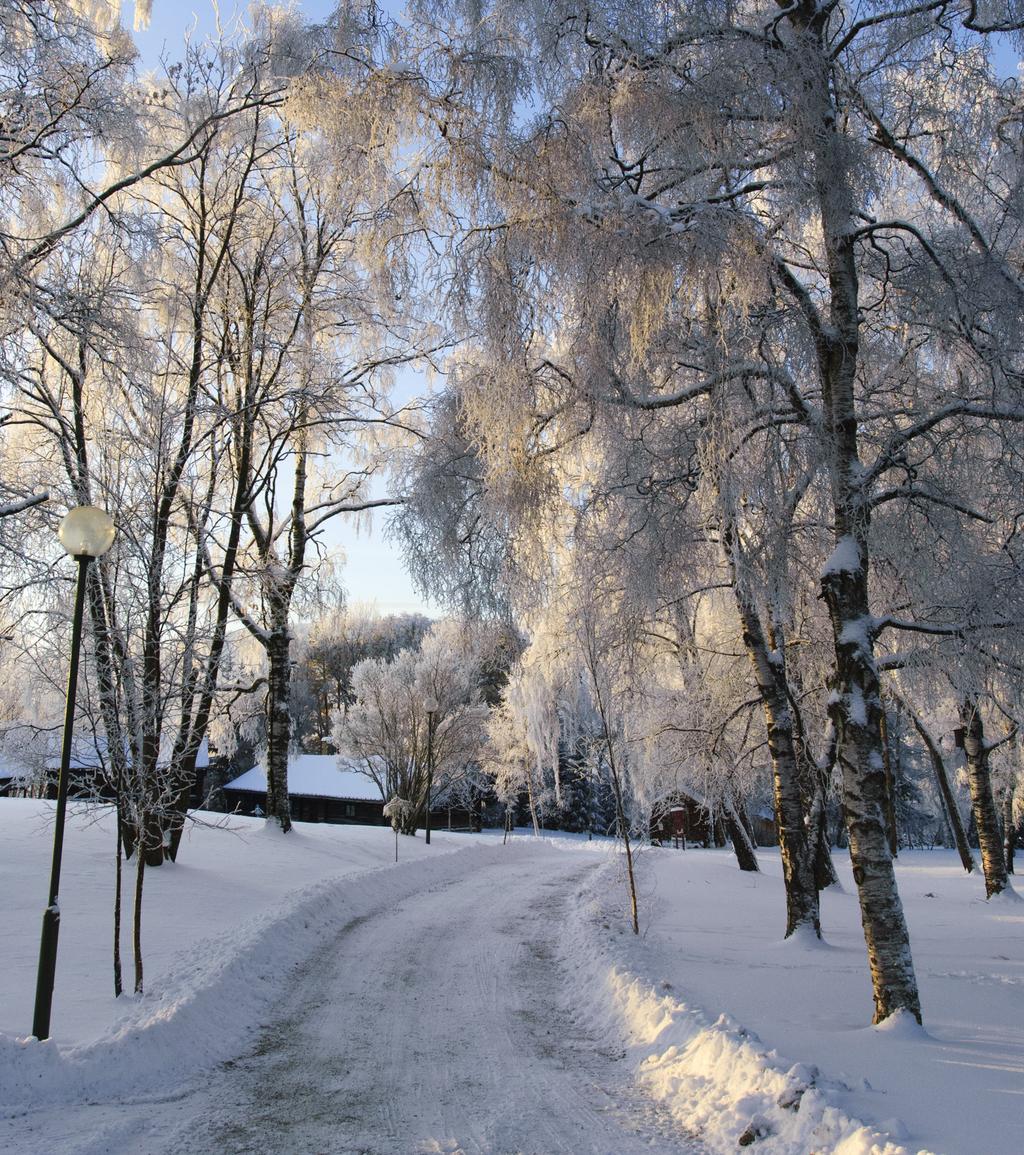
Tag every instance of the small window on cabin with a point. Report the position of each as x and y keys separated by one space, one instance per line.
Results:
x=350 y=810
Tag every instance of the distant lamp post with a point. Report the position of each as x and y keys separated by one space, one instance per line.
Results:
x=85 y=533
x=431 y=707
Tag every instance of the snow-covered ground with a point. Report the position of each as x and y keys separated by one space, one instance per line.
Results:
x=734 y=1026
x=489 y=998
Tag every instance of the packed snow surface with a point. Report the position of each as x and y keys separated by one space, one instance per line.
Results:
x=305 y=993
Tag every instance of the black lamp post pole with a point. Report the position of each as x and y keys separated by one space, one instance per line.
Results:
x=430 y=768
x=51 y=916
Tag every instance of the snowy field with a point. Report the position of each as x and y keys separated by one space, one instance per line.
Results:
x=305 y=994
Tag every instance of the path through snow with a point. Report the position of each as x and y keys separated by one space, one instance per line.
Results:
x=440 y=1025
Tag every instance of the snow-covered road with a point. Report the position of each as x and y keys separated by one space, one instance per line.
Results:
x=441 y=1024
x=438 y=1026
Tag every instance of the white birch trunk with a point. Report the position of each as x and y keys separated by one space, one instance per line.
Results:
x=983 y=802
x=856 y=698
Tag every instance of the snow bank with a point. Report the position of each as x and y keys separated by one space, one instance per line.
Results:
x=718 y=1078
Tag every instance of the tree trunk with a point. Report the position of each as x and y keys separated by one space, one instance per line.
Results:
x=814 y=780
x=193 y=726
x=748 y=826
x=856 y=703
x=742 y=845
x=802 y=908
x=106 y=683
x=890 y=784
x=276 y=639
x=621 y=818
x=533 y=808
x=855 y=698
x=184 y=772
x=953 y=819
x=623 y=825
x=153 y=827
x=983 y=803
x=769 y=673
x=818 y=833
x=278 y=727
x=824 y=868
x=118 y=873
x=140 y=874
x=184 y=754
x=1009 y=830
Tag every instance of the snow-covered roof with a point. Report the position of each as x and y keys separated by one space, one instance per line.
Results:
x=675 y=799
x=89 y=753
x=12 y=771
x=316 y=776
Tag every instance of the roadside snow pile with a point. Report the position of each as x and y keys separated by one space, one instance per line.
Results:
x=193 y=1017
x=727 y=1085
x=717 y=1078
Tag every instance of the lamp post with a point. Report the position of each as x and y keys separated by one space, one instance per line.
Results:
x=430 y=705
x=85 y=533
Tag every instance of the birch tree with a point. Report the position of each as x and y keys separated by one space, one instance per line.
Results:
x=312 y=332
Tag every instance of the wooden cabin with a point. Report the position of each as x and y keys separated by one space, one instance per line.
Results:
x=320 y=789
x=680 y=821
x=326 y=788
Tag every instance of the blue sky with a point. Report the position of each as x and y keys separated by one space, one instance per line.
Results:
x=172 y=18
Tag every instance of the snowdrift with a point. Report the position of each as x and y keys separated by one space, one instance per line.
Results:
x=718 y=1078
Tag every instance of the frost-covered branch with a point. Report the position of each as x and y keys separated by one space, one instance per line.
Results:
x=19 y=505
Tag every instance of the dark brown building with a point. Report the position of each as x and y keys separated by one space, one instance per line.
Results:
x=681 y=821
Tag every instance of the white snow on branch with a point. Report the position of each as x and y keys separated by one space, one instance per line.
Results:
x=860 y=632
x=143 y=14
x=10 y=508
x=845 y=558
x=856 y=709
